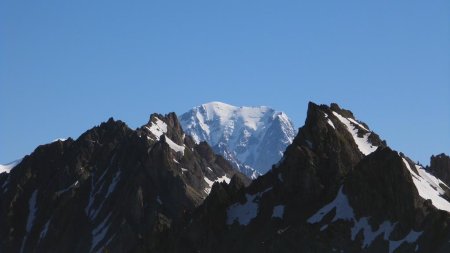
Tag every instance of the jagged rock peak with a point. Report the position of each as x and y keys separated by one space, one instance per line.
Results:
x=346 y=113
x=440 y=167
x=170 y=119
x=162 y=126
x=337 y=111
x=326 y=149
x=440 y=161
x=111 y=122
x=251 y=138
x=323 y=119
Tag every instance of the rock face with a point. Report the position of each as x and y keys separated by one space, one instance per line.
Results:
x=338 y=188
x=251 y=138
x=440 y=167
x=112 y=190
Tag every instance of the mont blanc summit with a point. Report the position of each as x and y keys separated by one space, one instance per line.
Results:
x=251 y=138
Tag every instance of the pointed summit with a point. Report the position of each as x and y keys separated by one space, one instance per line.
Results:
x=440 y=167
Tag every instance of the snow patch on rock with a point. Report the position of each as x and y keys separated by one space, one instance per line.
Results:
x=278 y=211
x=9 y=166
x=210 y=183
x=99 y=232
x=243 y=213
x=157 y=128
x=428 y=187
x=344 y=211
x=409 y=238
x=175 y=147
x=329 y=121
x=362 y=142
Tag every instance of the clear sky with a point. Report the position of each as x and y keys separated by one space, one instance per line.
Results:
x=66 y=66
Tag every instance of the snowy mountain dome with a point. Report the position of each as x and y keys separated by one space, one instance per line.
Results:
x=251 y=138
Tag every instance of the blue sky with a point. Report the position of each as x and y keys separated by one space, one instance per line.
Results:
x=66 y=66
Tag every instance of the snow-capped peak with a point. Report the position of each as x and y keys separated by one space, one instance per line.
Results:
x=250 y=116
x=252 y=138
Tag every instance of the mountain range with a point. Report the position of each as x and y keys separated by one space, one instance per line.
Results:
x=337 y=187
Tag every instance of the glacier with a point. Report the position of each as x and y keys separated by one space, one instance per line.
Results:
x=251 y=138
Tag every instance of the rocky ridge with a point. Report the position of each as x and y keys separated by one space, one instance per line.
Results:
x=440 y=167
x=338 y=188
x=113 y=189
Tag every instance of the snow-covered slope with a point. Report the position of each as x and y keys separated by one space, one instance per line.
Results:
x=8 y=167
x=429 y=187
x=251 y=138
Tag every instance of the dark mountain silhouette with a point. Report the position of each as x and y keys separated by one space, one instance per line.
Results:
x=113 y=189
x=338 y=188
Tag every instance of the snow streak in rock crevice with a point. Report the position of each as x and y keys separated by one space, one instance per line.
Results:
x=362 y=142
x=99 y=232
x=428 y=187
x=93 y=208
x=32 y=208
x=175 y=147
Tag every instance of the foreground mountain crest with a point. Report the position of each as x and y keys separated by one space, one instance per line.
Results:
x=112 y=188
x=251 y=138
x=337 y=188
